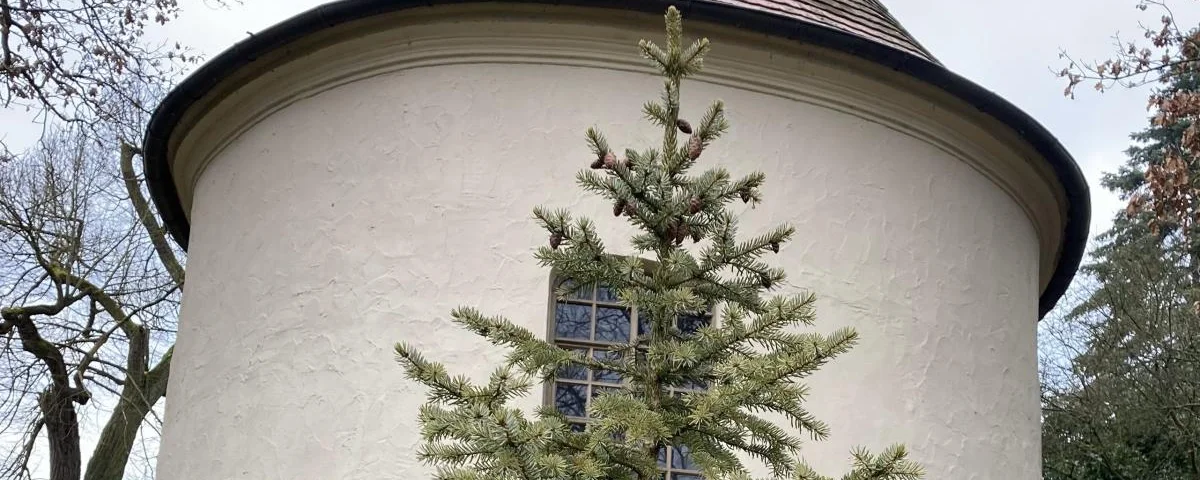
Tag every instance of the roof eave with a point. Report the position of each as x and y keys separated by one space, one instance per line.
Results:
x=181 y=98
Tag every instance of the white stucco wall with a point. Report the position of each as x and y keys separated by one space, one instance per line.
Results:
x=359 y=215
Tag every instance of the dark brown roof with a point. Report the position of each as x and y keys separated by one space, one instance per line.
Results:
x=868 y=19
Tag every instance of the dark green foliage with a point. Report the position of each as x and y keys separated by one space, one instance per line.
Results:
x=1127 y=404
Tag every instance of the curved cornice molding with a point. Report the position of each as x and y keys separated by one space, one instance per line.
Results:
x=572 y=36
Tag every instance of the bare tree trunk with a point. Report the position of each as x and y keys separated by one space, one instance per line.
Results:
x=62 y=433
x=116 y=441
x=143 y=386
x=158 y=236
x=111 y=456
x=77 y=354
x=57 y=401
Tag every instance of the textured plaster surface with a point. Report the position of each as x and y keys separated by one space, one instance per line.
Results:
x=360 y=216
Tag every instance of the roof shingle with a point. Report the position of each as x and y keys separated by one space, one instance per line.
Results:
x=868 y=19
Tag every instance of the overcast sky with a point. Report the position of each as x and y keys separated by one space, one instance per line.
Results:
x=1010 y=48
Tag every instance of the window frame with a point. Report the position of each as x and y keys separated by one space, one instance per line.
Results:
x=591 y=345
x=669 y=472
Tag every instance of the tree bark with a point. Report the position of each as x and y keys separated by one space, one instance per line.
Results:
x=143 y=386
x=57 y=401
x=158 y=237
x=62 y=433
x=138 y=396
x=111 y=455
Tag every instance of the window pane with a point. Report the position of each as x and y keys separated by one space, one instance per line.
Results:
x=607 y=294
x=570 y=399
x=578 y=427
x=572 y=321
x=612 y=325
x=690 y=324
x=662 y=457
x=681 y=458
x=574 y=371
x=643 y=323
x=606 y=376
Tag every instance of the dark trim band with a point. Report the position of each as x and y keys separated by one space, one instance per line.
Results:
x=196 y=85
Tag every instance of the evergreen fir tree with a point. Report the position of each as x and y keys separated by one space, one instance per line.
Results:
x=1124 y=407
x=750 y=361
x=1150 y=149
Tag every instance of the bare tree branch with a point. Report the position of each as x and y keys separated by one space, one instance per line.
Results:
x=94 y=297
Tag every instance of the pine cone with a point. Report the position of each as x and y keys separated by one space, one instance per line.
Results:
x=766 y=281
x=610 y=160
x=684 y=126
x=695 y=205
x=775 y=247
x=555 y=240
x=745 y=195
x=683 y=232
x=696 y=236
x=695 y=147
x=597 y=163
x=618 y=207
x=672 y=231
x=630 y=209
